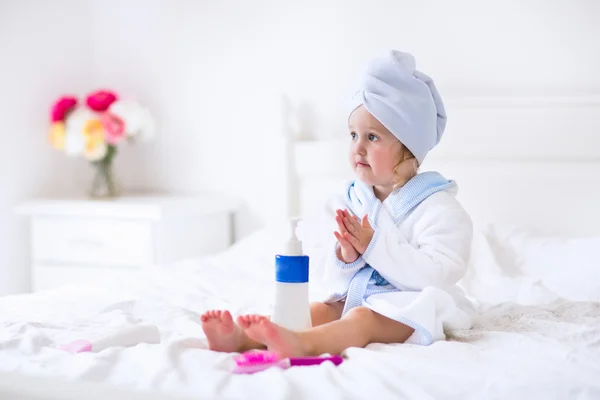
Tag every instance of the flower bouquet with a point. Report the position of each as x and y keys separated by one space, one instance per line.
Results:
x=95 y=130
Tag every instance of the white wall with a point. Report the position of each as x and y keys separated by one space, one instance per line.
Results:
x=44 y=50
x=212 y=70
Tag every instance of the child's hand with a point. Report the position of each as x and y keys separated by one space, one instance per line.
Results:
x=359 y=234
x=346 y=252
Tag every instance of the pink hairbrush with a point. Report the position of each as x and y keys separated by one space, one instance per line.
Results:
x=255 y=361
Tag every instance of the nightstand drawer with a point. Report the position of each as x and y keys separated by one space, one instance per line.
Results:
x=92 y=241
x=57 y=275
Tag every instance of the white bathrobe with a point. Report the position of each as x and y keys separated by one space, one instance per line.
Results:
x=420 y=247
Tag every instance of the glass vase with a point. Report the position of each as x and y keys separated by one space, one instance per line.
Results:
x=104 y=183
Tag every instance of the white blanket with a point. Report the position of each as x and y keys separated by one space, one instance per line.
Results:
x=513 y=351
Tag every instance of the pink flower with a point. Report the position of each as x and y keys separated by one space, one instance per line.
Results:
x=113 y=126
x=100 y=100
x=61 y=108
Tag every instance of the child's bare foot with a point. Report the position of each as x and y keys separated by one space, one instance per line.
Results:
x=222 y=334
x=276 y=338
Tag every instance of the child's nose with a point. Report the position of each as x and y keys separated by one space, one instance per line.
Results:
x=359 y=147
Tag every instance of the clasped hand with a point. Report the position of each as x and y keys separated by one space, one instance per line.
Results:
x=353 y=235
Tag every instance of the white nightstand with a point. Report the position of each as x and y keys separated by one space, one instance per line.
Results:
x=82 y=240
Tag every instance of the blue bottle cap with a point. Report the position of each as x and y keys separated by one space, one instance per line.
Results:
x=291 y=269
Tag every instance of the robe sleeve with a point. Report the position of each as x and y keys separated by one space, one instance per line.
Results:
x=438 y=256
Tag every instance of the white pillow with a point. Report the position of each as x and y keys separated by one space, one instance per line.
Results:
x=512 y=264
x=508 y=264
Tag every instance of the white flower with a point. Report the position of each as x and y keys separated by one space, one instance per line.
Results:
x=138 y=120
x=74 y=140
x=74 y=143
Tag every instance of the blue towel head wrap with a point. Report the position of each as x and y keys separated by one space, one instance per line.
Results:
x=404 y=100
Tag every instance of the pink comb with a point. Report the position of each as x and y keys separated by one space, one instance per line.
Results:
x=256 y=357
x=255 y=361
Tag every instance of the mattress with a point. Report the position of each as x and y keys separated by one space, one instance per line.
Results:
x=548 y=349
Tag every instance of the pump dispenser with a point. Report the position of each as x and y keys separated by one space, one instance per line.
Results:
x=291 y=309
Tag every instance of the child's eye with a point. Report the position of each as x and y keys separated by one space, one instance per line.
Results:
x=353 y=135
x=372 y=137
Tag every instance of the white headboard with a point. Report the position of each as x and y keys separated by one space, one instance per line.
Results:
x=533 y=162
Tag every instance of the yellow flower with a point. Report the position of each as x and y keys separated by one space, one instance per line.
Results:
x=95 y=146
x=93 y=127
x=57 y=135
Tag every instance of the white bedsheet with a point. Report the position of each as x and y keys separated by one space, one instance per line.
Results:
x=514 y=351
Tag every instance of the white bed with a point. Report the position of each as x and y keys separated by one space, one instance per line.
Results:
x=535 y=275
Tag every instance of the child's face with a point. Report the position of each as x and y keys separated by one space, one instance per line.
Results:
x=374 y=152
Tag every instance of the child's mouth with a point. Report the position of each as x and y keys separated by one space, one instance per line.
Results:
x=361 y=165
